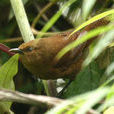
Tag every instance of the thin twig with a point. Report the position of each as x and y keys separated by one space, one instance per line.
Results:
x=11 y=40
x=38 y=9
x=14 y=96
x=50 y=4
x=35 y=32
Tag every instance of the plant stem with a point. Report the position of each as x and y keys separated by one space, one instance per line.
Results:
x=50 y=4
x=22 y=20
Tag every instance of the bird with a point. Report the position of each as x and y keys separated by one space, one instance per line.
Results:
x=38 y=56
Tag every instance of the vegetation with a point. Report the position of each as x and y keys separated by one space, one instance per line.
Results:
x=92 y=91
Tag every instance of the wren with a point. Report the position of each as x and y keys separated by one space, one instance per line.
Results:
x=38 y=55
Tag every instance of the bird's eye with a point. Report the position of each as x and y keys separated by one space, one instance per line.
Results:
x=28 y=49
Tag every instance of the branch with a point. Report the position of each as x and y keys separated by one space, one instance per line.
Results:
x=35 y=32
x=50 y=4
x=14 y=96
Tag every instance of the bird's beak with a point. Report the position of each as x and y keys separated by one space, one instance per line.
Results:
x=16 y=50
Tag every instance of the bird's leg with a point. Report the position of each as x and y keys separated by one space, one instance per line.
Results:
x=62 y=91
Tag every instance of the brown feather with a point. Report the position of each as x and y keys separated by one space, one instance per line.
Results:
x=40 y=59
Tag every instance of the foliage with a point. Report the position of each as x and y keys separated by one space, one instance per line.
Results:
x=7 y=72
x=93 y=88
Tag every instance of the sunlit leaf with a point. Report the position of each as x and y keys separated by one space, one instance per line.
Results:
x=101 y=45
x=56 y=16
x=110 y=69
x=110 y=110
x=93 y=19
x=84 y=38
x=7 y=72
x=86 y=7
x=108 y=81
x=109 y=100
x=81 y=103
x=92 y=100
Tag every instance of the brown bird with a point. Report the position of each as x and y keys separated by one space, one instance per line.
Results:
x=38 y=55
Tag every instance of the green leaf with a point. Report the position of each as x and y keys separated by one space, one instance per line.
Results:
x=101 y=45
x=7 y=72
x=86 y=7
x=88 y=79
x=84 y=38
x=111 y=93
x=108 y=81
x=55 y=17
x=110 y=69
x=109 y=99
x=93 y=99
x=95 y=18
x=80 y=104
x=110 y=110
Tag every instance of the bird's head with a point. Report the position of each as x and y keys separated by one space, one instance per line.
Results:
x=31 y=52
